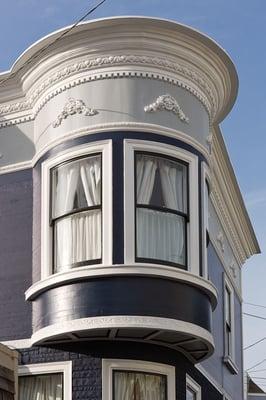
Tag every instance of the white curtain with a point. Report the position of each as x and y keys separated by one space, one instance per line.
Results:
x=46 y=387
x=78 y=236
x=139 y=386
x=160 y=235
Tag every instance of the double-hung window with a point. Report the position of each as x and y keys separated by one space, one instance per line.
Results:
x=76 y=216
x=161 y=190
x=137 y=380
x=193 y=390
x=228 y=321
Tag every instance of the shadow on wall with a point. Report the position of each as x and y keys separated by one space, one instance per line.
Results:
x=16 y=145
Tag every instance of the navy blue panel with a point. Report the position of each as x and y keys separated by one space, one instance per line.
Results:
x=123 y=295
x=16 y=254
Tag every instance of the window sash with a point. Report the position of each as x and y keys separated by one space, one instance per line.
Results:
x=69 y=216
x=164 y=211
x=41 y=386
x=135 y=385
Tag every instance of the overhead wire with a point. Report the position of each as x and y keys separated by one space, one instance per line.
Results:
x=254 y=315
x=43 y=49
x=253 y=344
x=255 y=305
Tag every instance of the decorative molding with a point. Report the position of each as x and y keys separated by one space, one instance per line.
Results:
x=233 y=269
x=209 y=141
x=221 y=241
x=168 y=103
x=6 y=169
x=123 y=321
x=92 y=271
x=110 y=61
x=72 y=107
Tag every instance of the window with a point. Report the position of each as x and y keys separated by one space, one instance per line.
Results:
x=137 y=380
x=76 y=212
x=205 y=194
x=139 y=386
x=162 y=226
x=161 y=209
x=51 y=381
x=193 y=390
x=229 y=327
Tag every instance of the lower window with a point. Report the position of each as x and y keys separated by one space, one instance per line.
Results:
x=193 y=389
x=50 y=381
x=41 y=387
x=137 y=380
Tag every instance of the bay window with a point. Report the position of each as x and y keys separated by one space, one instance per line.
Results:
x=76 y=212
x=161 y=209
x=42 y=387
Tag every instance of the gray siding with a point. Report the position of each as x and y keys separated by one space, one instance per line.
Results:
x=232 y=384
x=15 y=254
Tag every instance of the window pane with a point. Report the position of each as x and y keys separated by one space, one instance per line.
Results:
x=160 y=236
x=41 y=387
x=227 y=306
x=76 y=185
x=161 y=182
x=139 y=386
x=190 y=394
x=77 y=238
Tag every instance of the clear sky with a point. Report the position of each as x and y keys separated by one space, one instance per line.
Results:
x=239 y=26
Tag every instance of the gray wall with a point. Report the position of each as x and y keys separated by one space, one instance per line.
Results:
x=233 y=384
x=15 y=254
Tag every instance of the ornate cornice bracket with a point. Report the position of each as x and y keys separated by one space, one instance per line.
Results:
x=168 y=103
x=72 y=107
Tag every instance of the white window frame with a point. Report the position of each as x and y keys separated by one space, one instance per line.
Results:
x=109 y=365
x=105 y=148
x=229 y=359
x=205 y=177
x=130 y=147
x=64 y=367
x=194 y=386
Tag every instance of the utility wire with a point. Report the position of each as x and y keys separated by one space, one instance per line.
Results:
x=255 y=305
x=91 y=10
x=258 y=370
x=256 y=365
x=253 y=344
x=253 y=315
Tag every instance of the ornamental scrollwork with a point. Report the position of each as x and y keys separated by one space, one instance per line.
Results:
x=168 y=103
x=72 y=107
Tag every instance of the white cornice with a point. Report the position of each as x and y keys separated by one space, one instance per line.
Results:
x=229 y=205
x=166 y=47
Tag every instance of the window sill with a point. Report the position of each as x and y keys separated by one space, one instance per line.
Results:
x=230 y=365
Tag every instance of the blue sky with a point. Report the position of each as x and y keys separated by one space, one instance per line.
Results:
x=239 y=26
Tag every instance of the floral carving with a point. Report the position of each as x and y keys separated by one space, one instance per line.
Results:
x=221 y=241
x=209 y=141
x=232 y=267
x=168 y=103
x=73 y=107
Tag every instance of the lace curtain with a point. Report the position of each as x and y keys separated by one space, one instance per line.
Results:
x=41 y=387
x=77 y=236
x=139 y=386
x=160 y=235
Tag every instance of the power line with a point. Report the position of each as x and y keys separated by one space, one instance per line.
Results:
x=255 y=305
x=91 y=10
x=253 y=315
x=258 y=370
x=256 y=365
x=253 y=344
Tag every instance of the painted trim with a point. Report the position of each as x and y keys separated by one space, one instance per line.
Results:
x=229 y=359
x=205 y=176
x=105 y=148
x=212 y=380
x=109 y=365
x=114 y=270
x=194 y=386
x=20 y=166
x=122 y=321
x=18 y=344
x=64 y=367
x=130 y=146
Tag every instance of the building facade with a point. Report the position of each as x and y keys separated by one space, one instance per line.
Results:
x=123 y=230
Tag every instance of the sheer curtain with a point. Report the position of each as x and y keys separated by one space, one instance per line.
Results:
x=78 y=236
x=6 y=395
x=139 y=386
x=46 y=387
x=160 y=235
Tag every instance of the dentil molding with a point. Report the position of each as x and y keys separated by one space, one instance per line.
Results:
x=119 y=60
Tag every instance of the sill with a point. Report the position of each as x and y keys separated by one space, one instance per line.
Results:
x=230 y=365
